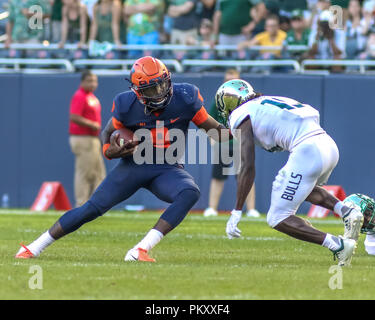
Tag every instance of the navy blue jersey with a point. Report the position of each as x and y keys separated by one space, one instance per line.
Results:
x=186 y=105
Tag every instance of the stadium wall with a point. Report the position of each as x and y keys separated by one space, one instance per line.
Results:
x=34 y=132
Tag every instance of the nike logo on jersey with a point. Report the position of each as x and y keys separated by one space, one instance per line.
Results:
x=174 y=120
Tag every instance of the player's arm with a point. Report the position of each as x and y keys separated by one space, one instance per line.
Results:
x=204 y=121
x=215 y=130
x=245 y=177
x=111 y=149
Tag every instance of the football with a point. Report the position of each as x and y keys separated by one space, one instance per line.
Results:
x=125 y=135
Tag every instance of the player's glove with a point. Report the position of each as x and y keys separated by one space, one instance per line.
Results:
x=232 y=230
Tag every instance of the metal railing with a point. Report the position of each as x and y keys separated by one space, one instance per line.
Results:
x=17 y=62
x=243 y=63
x=361 y=64
x=119 y=66
x=155 y=47
x=124 y=63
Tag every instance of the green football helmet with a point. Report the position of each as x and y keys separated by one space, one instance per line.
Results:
x=230 y=95
x=367 y=206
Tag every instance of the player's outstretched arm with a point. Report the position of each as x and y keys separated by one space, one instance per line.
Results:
x=245 y=177
x=215 y=130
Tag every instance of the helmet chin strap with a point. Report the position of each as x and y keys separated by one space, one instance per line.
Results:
x=149 y=109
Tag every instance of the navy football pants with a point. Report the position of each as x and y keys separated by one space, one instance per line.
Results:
x=169 y=183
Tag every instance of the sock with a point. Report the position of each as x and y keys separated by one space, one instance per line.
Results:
x=40 y=244
x=331 y=242
x=151 y=239
x=340 y=208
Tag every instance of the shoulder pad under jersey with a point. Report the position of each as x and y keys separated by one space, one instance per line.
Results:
x=124 y=100
x=188 y=92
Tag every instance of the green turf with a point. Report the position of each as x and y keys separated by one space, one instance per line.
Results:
x=195 y=261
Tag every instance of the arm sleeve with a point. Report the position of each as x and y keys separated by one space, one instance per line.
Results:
x=200 y=112
x=213 y=111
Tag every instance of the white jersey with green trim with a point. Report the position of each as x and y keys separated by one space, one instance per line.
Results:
x=279 y=123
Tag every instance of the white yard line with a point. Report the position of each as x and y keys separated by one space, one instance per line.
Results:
x=140 y=215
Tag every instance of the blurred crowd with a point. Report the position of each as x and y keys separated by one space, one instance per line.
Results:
x=98 y=27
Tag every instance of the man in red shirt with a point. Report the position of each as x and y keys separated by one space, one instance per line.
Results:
x=84 y=130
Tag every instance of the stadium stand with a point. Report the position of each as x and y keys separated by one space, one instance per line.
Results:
x=330 y=37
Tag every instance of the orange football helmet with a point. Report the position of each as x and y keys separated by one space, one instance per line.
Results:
x=151 y=82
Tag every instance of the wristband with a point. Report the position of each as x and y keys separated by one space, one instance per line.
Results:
x=105 y=147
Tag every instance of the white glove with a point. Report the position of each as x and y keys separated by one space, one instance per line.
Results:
x=232 y=230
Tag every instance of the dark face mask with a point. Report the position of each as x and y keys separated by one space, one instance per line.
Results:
x=156 y=95
x=155 y=92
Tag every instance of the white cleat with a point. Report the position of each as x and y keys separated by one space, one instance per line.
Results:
x=353 y=221
x=253 y=213
x=209 y=212
x=345 y=253
x=131 y=255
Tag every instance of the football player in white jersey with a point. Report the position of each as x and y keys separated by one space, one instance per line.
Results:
x=283 y=124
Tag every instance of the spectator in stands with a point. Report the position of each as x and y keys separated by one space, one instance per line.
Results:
x=74 y=23
x=356 y=29
x=326 y=43
x=218 y=178
x=205 y=9
x=234 y=21
x=205 y=35
x=298 y=35
x=259 y=14
x=204 y=38
x=184 y=20
x=105 y=25
x=369 y=52
x=284 y=23
x=18 y=29
x=368 y=11
x=56 y=18
x=344 y=4
x=84 y=130
x=316 y=10
x=288 y=6
x=273 y=36
x=89 y=4
x=143 y=19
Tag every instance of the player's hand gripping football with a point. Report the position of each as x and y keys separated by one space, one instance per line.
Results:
x=232 y=229
x=116 y=151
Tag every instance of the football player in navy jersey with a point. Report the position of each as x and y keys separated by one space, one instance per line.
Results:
x=152 y=101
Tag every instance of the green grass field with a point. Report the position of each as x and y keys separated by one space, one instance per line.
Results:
x=195 y=261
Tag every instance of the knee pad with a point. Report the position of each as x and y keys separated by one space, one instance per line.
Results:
x=76 y=217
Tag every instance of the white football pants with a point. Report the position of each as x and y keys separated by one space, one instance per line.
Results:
x=310 y=163
x=370 y=244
